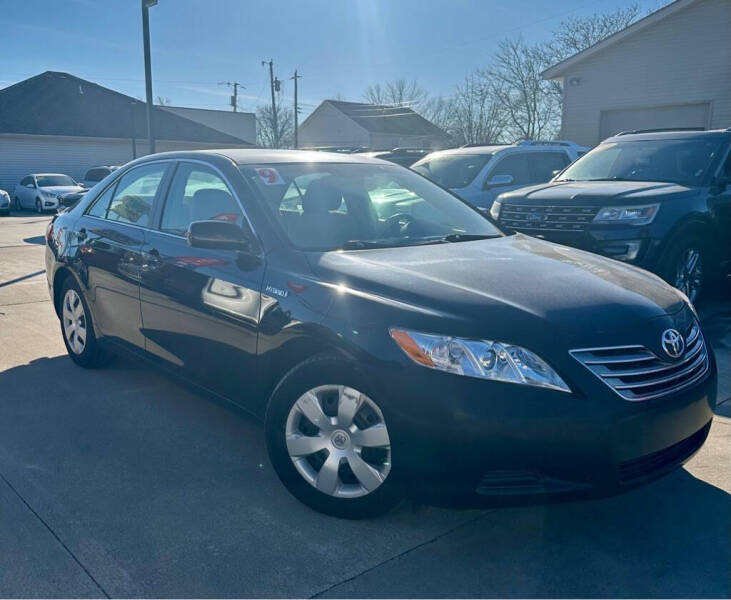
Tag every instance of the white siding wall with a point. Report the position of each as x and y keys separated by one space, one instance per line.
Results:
x=683 y=59
x=24 y=154
x=327 y=126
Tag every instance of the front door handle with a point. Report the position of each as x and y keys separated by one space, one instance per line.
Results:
x=81 y=234
x=150 y=258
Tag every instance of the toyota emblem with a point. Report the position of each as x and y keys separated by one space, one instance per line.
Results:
x=673 y=343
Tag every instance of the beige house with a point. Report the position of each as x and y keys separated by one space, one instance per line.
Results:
x=670 y=69
x=359 y=125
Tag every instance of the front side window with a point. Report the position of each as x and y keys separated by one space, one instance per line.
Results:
x=453 y=171
x=54 y=180
x=197 y=193
x=135 y=194
x=328 y=206
x=516 y=165
x=685 y=162
x=101 y=204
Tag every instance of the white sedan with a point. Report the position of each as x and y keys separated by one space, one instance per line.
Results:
x=41 y=190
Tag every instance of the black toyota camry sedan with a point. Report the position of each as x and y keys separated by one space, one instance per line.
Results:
x=392 y=339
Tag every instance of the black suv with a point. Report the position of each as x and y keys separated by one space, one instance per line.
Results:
x=657 y=199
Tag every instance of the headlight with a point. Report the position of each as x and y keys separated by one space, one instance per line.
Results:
x=478 y=358
x=632 y=215
x=48 y=194
x=495 y=210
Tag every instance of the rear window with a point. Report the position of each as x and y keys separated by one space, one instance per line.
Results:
x=96 y=174
x=452 y=171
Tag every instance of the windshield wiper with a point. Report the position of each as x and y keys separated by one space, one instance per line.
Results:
x=363 y=244
x=468 y=237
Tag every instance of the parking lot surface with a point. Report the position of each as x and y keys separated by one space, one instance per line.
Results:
x=122 y=482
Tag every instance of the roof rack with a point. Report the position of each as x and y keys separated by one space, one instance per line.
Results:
x=660 y=130
x=546 y=143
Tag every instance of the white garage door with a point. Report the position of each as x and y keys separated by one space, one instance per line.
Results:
x=660 y=117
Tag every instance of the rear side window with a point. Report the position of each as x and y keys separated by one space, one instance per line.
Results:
x=543 y=164
x=135 y=193
x=198 y=193
x=101 y=204
x=516 y=165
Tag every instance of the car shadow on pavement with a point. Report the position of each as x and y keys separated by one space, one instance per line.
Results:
x=162 y=492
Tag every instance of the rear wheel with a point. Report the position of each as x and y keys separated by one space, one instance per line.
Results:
x=329 y=442
x=77 y=328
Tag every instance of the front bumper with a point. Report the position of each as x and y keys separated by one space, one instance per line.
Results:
x=457 y=437
x=634 y=245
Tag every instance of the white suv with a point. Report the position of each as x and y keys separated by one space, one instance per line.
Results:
x=478 y=174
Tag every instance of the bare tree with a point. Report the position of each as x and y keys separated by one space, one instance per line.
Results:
x=163 y=101
x=576 y=34
x=530 y=107
x=266 y=135
x=475 y=115
x=397 y=91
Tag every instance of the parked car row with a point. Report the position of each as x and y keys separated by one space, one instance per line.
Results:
x=391 y=337
x=44 y=192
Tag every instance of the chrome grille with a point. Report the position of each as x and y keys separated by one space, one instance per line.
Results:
x=547 y=218
x=636 y=373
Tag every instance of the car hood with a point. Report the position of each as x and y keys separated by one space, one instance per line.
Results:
x=62 y=189
x=512 y=288
x=598 y=192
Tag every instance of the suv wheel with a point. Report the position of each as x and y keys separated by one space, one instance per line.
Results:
x=329 y=442
x=685 y=267
x=77 y=328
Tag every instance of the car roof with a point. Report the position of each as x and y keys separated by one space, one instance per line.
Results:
x=679 y=134
x=47 y=174
x=251 y=156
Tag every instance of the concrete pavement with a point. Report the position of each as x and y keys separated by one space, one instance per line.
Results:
x=121 y=482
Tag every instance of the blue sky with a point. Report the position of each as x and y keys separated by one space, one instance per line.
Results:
x=339 y=46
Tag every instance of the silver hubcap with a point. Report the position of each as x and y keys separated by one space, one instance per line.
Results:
x=689 y=273
x=74 y=321
x=337 y=440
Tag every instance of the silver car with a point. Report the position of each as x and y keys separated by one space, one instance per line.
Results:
x=40 y=191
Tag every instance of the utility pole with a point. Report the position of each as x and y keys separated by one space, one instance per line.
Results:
x=146 y=4
x=235 y=98
x=296 y=108
x=274 y=83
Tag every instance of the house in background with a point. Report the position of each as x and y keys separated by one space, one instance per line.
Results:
x=359 y=125
x=670 y=69
x=57 y=123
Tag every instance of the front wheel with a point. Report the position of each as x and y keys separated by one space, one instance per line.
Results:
x=685 y=267
x=18 y=207
x=329 y=441
x=39 y=207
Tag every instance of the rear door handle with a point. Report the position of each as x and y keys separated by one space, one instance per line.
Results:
x=151 y=258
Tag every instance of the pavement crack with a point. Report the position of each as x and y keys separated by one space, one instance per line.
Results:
x=436 y=538
x=55 y=535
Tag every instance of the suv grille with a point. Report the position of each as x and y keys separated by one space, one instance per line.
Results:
x=547 y=218
x=636 y=373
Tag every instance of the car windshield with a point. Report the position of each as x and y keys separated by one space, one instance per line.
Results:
x=452 y=171
x=54 y=180
x=685 y=162
x=328 y=206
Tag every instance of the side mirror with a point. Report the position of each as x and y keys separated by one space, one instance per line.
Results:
x=499 y=181
x=555 y=172
x=31 y=185
x=220 y=235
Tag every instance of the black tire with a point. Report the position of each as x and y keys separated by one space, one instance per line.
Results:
x=39 y=206
x=675 y=257
x=93 y=354
x=18 y=207
x=320 y=371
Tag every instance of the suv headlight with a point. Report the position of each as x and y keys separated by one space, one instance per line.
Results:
x=632 y=215
x=478 y=358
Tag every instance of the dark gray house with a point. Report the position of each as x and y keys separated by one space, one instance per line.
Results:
x=374 y=126
x=55 y=122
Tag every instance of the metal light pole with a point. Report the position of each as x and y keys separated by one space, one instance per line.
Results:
x=132 y=106
x=146 y=4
